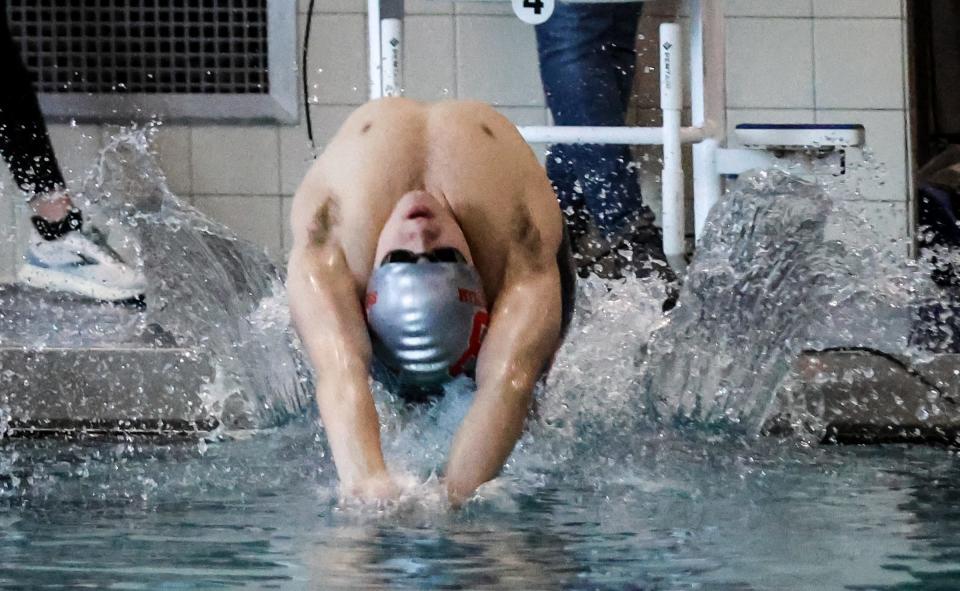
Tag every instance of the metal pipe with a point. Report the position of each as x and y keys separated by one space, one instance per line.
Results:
x=385 y=27
x=391 y=46
x=671 y=103
x=571 y=134
x=374 y=62
x=708 y=102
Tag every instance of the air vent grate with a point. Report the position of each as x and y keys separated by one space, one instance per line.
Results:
x=149 y=46
x=159 y=48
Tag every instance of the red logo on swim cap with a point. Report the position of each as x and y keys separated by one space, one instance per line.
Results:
x=479 y=330
x=371 y=300
x=468 y=296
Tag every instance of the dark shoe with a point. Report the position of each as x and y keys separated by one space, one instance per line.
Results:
x=636 y=252
x=648 y=260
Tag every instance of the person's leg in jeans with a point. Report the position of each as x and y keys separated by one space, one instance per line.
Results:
x=587 y=61
x=59 y=257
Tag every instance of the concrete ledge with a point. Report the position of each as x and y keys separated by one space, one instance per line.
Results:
x=96 y=390
x=873 y=397
x=862 y=396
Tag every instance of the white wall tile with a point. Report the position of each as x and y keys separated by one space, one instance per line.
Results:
x=172 y=144
x=360 y=6
x=333 y=6
x=498 y=7
x=769 y=63
x=885 y=176
x=14 y=220
x=497 y=61
x=286 y=234
x=429 y=64
x=854 y=8
x=859 y=63
x=255 y=218
x=779 y=116
x=524 y=115
x=326 y=122
x=9 y=245
x=337 y=59
x=871 y=223
x=429 y=6
x=8 y=187
x=77 y=148
x=296 y=155
x=235 y=160
x=783 y=8
x=528 y=116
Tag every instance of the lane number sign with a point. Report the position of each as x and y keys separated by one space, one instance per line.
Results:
x=533 y=12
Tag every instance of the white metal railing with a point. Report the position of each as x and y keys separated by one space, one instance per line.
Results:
x=673 y=219
x=708 y=108
x=572 y=134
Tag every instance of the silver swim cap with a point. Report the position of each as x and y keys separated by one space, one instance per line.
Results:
x=427 y=320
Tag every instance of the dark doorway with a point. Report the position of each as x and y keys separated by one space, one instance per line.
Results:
x=935 y=48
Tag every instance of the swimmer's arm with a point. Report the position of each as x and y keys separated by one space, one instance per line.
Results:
x=524 y=334
x=327 y=314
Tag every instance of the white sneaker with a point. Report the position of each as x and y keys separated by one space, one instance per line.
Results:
x=81 y=263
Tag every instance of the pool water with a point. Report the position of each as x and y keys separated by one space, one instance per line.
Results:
x=667 y=512
x=644 y=465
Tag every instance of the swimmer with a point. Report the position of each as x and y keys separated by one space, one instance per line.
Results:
x=427 y=242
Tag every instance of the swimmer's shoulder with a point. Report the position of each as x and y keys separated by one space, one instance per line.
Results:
x=404 y=115
x=390 y=110
x=476 y=114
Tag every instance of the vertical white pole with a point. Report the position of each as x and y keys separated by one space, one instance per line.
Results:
x=391 y=36
x=373 y=49
x=708 y=101
x=671 y=103
x=391 y=46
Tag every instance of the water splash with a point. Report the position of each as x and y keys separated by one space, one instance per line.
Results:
x=761 y=263
x=773 y=277
x=602 y=490
x=209 y=292
x=207 y=286
x=769 y=281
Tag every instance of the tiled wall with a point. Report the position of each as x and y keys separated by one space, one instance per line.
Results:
x=448 y=54
x=788 y=61
x=830 y=61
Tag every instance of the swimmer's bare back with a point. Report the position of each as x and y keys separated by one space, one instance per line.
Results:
x=474 y=160
x=464 y=152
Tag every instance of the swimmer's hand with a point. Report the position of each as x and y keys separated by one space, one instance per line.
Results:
x=457 y=496
x=380 y=487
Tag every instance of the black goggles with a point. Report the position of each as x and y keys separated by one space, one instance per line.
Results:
x=447 y=254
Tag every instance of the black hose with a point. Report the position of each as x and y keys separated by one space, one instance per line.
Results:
x=305 y=70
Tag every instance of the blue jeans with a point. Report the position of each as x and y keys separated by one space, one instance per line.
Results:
x=587 y=59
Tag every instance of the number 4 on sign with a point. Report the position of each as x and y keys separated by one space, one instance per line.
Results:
x=533 y=12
